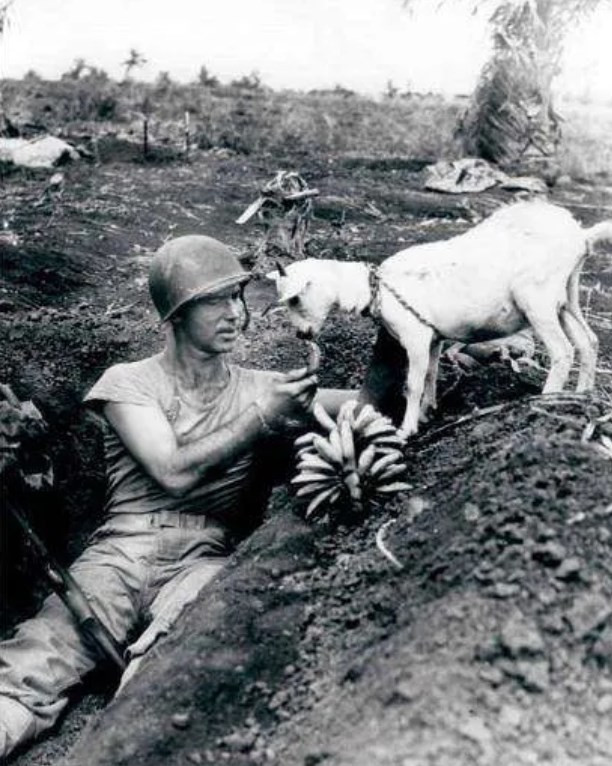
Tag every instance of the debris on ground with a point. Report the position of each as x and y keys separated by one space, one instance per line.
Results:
x=46 y=152
x=472 y=175
x=284 y=207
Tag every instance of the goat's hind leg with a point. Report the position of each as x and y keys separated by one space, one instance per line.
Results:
x=582 y=343
x=589 y=342
x=544 y=319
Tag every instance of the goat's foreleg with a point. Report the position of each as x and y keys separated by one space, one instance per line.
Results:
x=383 y=386
x=418 y=347
x=430 y=395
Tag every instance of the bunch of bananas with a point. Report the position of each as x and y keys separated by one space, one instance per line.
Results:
x=359 y=456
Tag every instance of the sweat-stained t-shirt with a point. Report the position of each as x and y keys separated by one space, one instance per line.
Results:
x=130 y=488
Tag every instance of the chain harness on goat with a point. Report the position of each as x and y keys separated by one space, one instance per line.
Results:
x=375 y=282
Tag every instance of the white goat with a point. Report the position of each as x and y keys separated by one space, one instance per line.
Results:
x=518 y=268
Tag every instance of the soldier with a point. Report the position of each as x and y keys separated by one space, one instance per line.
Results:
x=184 y=435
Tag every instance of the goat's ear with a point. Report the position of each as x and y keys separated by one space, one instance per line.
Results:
x=273 y=276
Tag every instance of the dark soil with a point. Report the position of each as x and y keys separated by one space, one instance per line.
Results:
x=492 y=644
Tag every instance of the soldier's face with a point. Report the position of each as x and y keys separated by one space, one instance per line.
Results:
x=214 y=322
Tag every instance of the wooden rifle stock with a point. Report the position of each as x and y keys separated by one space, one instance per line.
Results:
x=70 y=592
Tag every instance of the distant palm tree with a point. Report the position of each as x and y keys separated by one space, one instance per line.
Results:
x=77 y=69
x=511 y=118
x=135 y=60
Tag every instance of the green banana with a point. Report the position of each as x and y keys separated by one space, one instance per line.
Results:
x=334 y=440
x=331 y=494
x=366 y=459
x=315 y=463
x=396 y=486
x=384 y=449
x=389 y=440
x=391 y=472
x=304 y=440
x=383 y=462
x=347 y=443
x=347 y=411
x=307 y=476
x=322 y=416
x=326 y=450
x=378 y=428
x=366 y=415
x=353 y=485
x=309 y=489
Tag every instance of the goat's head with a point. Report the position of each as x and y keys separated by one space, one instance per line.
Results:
x=307 y=294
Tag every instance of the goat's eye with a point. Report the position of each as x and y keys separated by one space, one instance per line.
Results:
x=293 y=301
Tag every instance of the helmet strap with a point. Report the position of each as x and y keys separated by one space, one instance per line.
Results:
x=247 y=313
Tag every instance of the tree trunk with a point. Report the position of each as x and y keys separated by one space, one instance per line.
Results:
x=511 y=120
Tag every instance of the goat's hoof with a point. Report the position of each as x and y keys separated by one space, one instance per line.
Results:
x=405 y=433
x=427 y=415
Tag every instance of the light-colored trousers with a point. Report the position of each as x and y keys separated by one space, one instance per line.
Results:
x=136 y=567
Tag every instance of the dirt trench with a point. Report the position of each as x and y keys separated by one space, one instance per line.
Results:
x=492 y=643
x=313 y=647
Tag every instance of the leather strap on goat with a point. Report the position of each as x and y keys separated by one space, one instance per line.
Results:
x=373 y=307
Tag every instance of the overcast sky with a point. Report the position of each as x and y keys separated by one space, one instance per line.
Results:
x=300 y=44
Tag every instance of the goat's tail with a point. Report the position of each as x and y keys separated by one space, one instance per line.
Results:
x=601 y=232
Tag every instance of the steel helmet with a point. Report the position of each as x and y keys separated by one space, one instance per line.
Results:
x=191 y=267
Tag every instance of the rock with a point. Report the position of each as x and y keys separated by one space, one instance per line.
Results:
x=181 y=720
x=404 y=691
x=278 y=699
x=471 y=512
x=550 y=554
x=602 y=648
x=520 y=636
x=492 y=674
x=510 y=716
x=569 y=569
x=604 y=704
x=504 y=590
x=588 y=612
x=534 y=676
x=483 y=430
x=475 y=729
x=239 y=742
x=553 y=623
x=547 y=596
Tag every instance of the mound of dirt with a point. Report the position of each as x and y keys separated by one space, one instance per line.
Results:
x=314 y=647
x=491 y=643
